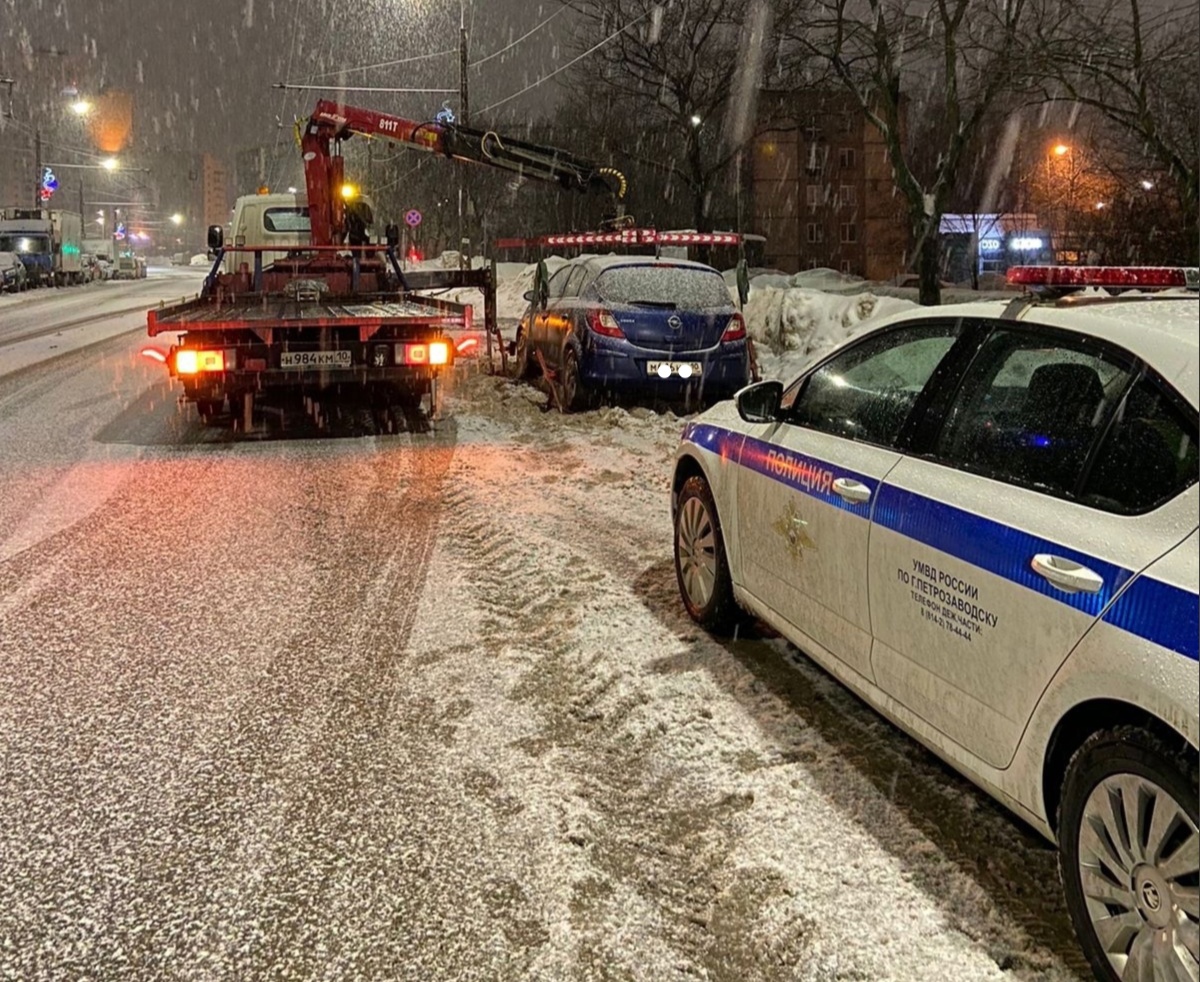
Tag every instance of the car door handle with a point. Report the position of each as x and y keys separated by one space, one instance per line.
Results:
x=1065 y=574
x=853 y=491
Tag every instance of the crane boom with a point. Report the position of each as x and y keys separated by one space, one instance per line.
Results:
x=332 y=122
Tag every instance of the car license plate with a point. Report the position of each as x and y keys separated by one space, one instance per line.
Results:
x=315 y=359
x=665 y=369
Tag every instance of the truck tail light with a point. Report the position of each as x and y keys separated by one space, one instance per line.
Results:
x=190 y=361
x=735 y=330
x=433 y=353
x=602 y=322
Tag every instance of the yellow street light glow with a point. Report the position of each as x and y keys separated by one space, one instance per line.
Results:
x=349 y=191
x=1061 y=150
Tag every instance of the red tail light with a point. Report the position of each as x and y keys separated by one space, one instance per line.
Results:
x=603 y=322
x=735 y=330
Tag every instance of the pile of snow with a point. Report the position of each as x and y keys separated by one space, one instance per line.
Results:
x=794 y=325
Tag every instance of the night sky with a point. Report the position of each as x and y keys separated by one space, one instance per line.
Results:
x=200 y=71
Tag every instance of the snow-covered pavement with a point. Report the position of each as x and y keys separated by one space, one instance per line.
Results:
x=427 y=707
x=45 y=323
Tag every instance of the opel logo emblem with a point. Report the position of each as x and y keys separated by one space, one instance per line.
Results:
x=674 y=323
x=1150 y=896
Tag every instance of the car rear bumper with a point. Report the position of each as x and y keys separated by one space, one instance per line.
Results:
x=620 y=365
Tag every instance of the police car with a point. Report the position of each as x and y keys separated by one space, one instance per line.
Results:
x=983 y=519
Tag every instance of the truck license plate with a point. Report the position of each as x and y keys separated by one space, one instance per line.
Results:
x=665 y=369
x=315 y=359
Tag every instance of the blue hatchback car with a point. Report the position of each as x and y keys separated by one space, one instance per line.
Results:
x=635 y=324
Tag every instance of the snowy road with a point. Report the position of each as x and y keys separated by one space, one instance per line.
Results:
x=427 y=707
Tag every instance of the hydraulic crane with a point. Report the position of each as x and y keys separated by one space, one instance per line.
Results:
x=332 y=122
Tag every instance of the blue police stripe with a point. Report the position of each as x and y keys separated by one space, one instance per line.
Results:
x=796 y=470
x=1159 y=612
x=1163 y=614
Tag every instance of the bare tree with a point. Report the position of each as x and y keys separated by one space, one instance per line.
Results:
x=688 y=74
x=1137 y=68
x=922 y=70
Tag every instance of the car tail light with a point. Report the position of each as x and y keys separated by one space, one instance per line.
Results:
x=602 y=322
x=439 y=353
x=1128 y=277
x=190 y=361
x=735 y=330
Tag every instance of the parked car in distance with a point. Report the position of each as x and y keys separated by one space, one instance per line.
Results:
x=635 y=324
x=983 y=520
x=14 y=278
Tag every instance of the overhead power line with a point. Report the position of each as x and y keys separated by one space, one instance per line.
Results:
x=385 y=64
x=578 y=58
x=358 y=88
x=527 y=34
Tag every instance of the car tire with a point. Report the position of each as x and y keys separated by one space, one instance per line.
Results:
x=525 y=365
x=1133 y=869
x=575 y=395
x=701 y=567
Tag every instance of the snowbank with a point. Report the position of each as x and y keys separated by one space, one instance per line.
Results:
x=794 y=325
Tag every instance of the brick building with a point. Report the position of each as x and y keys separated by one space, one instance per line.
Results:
x=822 y=187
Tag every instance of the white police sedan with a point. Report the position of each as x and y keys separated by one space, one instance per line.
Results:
x=983 y=520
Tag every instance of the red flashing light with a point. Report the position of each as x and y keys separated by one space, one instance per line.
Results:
x=736 y=329
x=1125 y=277
x=602 y=322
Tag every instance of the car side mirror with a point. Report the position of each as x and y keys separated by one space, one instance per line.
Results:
x=759 y=403
x=216 y=237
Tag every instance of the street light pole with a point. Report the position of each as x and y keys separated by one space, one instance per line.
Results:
x=37 y=178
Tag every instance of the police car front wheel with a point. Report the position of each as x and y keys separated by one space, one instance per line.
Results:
x=701 y=568
x=1130 y=855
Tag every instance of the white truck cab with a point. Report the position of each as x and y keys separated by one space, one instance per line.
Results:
x=269 y=219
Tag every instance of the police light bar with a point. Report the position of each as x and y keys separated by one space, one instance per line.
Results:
x=1125 y=277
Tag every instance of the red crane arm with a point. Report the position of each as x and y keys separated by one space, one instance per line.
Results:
x=332 y=122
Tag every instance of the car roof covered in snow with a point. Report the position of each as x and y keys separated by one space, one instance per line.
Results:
x=1161 y=329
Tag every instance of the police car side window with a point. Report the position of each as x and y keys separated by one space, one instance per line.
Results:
x=867 y=391
x=1148 y=456
x=1030 y=410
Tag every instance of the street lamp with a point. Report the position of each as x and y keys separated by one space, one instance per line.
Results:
x=81 y=107
x=177 y=219
x=696 y=120
x=110 y=163
x=1061 y=150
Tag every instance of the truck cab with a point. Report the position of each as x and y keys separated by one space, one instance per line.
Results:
x=268 y=220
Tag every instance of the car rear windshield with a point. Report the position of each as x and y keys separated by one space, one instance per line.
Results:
x=663 y=285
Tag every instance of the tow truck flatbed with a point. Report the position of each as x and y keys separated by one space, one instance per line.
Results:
x=282 y=312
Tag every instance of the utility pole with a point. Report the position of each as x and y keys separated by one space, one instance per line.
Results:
x=37 y=173
x=464 y=114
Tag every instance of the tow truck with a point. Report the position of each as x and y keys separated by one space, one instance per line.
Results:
x=338 y=314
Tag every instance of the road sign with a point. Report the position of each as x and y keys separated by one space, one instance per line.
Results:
x=413 y=218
